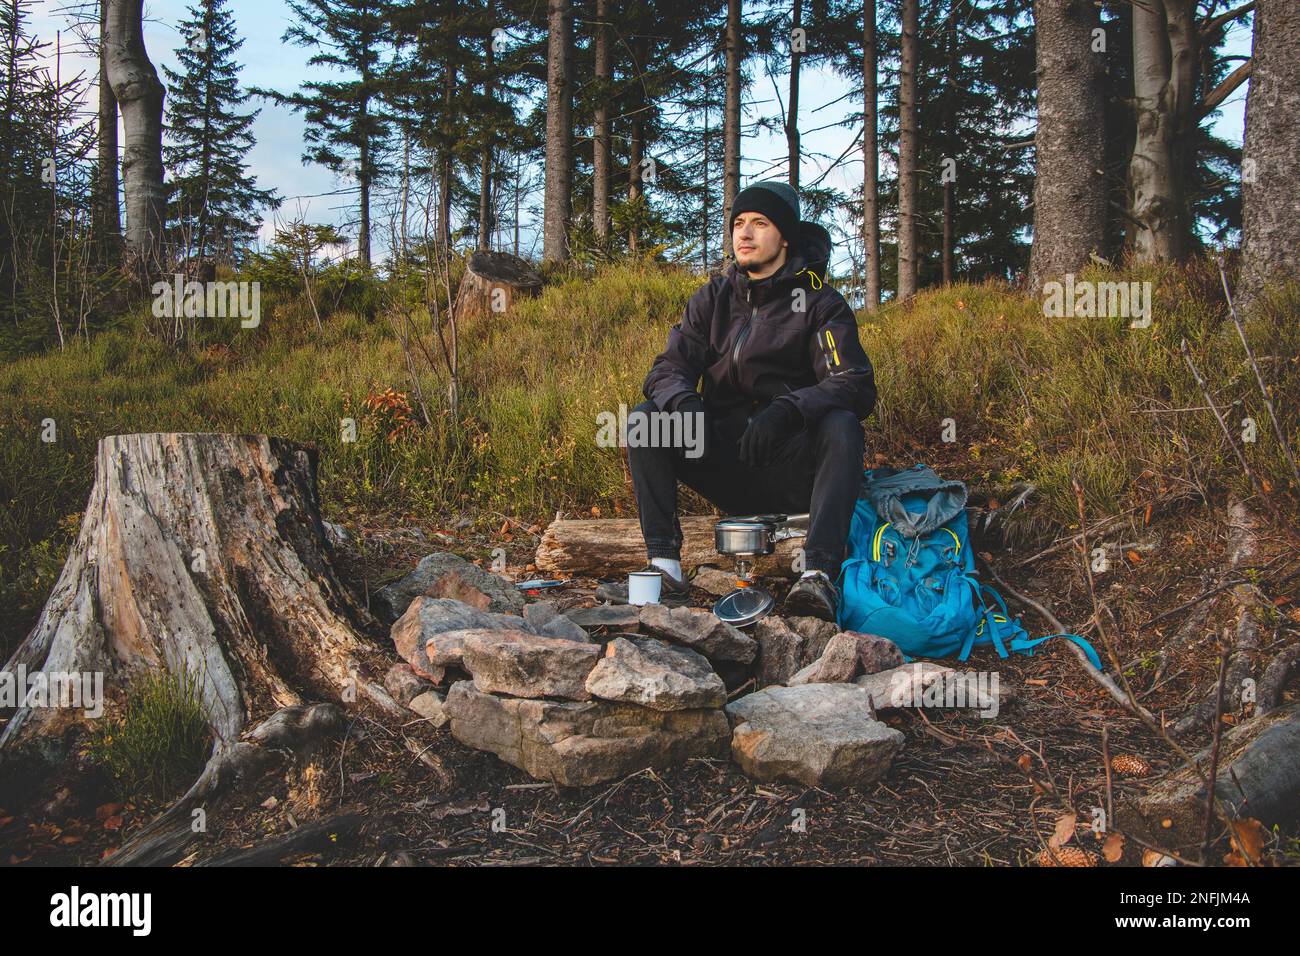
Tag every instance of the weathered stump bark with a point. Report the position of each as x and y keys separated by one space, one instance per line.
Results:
x=204 y=553
x=492 y=282
x=608 y=546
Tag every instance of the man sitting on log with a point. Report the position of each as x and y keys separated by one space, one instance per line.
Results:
x=786 y=385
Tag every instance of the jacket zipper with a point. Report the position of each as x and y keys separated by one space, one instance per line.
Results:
x=740 y=338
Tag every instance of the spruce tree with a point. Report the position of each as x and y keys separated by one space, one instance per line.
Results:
x=348 y=130
x=213 y=200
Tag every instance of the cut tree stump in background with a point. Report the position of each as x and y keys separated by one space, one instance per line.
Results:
x=602 y=547
x=201 y=552
x=494 y=273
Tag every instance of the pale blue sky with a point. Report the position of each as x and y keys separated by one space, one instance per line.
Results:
x=276 y=159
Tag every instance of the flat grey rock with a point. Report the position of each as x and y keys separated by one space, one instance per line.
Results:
x=580 y=744
x=653 y=674
x=392 y=600
x=820 y=735
x=701 y=631
x=428 y=617
x=605 y=615
x=925 y=684
x=780 y=650
x=523 y=664
x=838 y=663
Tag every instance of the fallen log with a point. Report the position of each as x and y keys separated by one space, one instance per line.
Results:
x=602 y=547
x=1258 y=777
x=200 y=553
x=1276 y=676
x=319 y=835
x=1242 y=546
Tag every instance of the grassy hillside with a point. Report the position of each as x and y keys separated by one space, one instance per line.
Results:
x=1031 y=398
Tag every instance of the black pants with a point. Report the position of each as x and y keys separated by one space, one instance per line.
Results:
x=818 y=471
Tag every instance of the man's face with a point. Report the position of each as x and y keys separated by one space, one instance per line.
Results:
x=758 y=245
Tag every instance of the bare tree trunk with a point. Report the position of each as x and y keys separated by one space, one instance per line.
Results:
x=950 y=134
x=406 y=189
x=557 y=204
x=708 y=185
x=947 y=234
x=1164 y=65
x=731 y=124
x=907 y=152
x=109 y=224
x=636 y=149
x=1069 y=185
x=485 y=172
x=792 y=120
x=601 y=130
x=485 y=199
x=139 y=95
x=363 y=181
x=445 y=171
x=201 y=553
x=1270 y=232
x=871 y=145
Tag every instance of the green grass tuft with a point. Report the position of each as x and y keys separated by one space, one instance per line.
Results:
x=160 y=742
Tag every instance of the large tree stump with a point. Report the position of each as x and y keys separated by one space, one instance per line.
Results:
x=203 y=553
x=609 y=546
x=492 y=282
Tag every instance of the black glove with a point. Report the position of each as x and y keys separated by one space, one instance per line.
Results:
x=693 y=404
x=767 y=429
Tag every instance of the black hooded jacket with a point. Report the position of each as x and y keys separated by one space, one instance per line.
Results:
x=788 y=337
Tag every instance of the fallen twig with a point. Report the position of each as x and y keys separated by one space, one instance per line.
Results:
x=1102 y=680
x=1104 y=524
x=1246 y=641
x=1214 y=751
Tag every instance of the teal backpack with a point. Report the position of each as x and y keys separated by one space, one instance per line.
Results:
x=909 y=572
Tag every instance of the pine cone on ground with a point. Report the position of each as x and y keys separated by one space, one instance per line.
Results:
x=1127 y=765
x=1066 y=856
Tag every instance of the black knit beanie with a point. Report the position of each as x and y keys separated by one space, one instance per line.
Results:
x=777 y=201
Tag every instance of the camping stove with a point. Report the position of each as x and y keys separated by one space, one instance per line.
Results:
x=746 y=538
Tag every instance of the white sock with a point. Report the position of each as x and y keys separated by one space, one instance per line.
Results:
x=670 y=565
x=808 y=574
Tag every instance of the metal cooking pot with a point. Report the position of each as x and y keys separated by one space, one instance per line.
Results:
x=739 y=536
x=745 y=535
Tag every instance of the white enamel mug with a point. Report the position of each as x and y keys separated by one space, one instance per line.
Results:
x=643 y=587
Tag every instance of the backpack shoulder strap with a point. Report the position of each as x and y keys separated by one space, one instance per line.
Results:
x=1025 y=645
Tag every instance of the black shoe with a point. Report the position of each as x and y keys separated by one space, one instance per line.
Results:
x=814 y=596
x=674 y=592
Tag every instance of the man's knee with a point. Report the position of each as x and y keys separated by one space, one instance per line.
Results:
x=840 y=429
